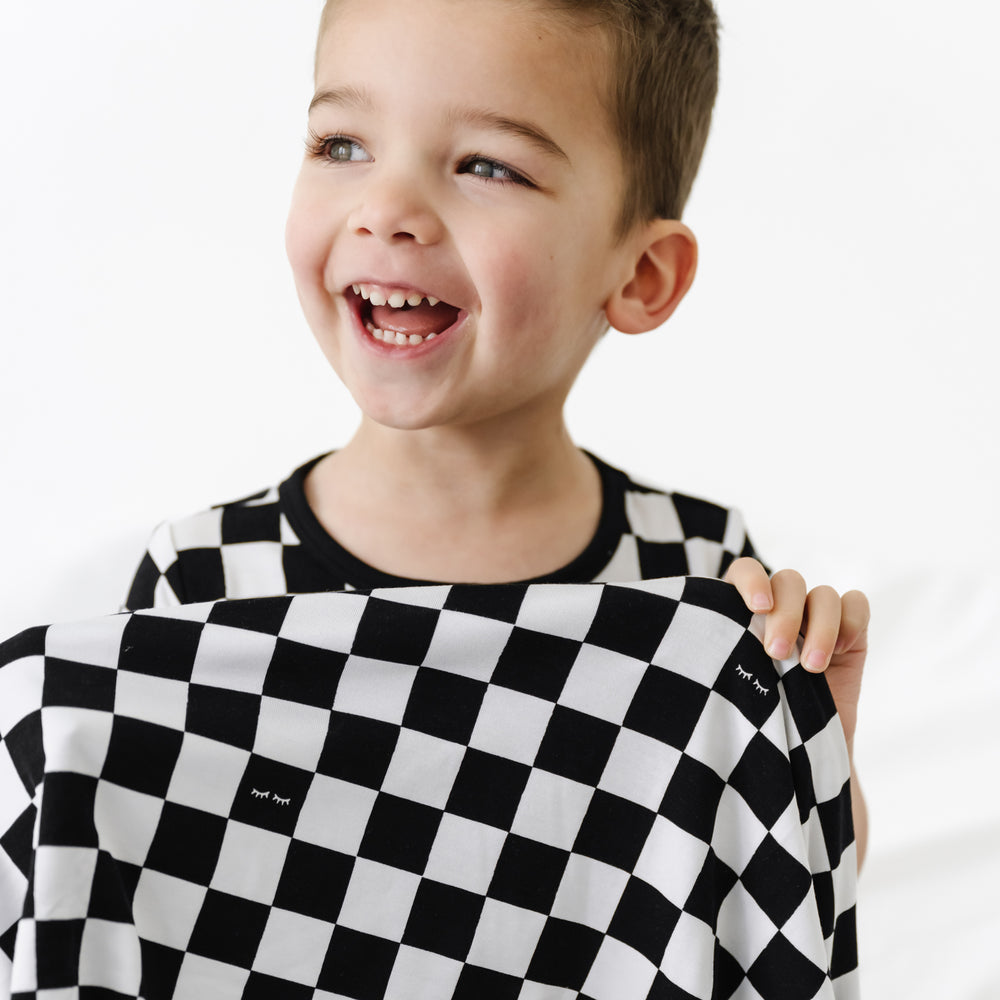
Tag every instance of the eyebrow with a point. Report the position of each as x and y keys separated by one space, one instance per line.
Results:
x=353 y=97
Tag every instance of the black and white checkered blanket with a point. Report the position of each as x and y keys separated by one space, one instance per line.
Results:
x=470 y=792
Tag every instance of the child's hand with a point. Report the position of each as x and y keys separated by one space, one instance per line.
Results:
x=835 y=628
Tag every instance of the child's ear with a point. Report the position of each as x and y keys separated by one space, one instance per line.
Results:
x=665 y=257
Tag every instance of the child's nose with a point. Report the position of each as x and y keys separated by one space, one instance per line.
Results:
x=395 y=209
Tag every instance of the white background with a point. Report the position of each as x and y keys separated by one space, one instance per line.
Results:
x=833 y=372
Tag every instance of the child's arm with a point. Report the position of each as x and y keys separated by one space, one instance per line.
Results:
x=835 y=630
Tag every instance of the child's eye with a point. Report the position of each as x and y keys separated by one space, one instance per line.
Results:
x=492 y=170
x=336 y=149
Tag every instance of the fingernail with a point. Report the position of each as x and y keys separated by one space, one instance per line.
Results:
x=760 y=602
x=779 y=649
x=815 y=659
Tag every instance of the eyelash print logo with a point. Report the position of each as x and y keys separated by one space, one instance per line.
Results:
x=259 y=795
x=760 y=687
x=282 y=802
x=747 y=676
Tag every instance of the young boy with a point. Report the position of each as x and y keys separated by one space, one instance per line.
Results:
x=488 y=187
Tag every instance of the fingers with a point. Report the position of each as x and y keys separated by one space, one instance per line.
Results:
x=751 y=580
x=855 y=615
x=822 y=628
x=781 y=628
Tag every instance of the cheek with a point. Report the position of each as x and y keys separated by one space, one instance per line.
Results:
x=307 y=239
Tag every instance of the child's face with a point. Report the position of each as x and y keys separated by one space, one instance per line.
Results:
x=463 y=155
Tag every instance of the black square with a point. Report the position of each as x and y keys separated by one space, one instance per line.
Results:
x=644 y=920
x=664 y=989
x=564 y=954
x=483 y=984
x=314 y=881
x=630 y=621
x=57 y=948
x=443 y=919
x=67 y=818
x=764 y=779
x=78 y=685
x=528 y=874
x=782 y=971
x=17 y=840
x=776 y=881
x=749 y=680
x=271 y=795
x=727 y=974
x=203 y=577
x=261 y=987
x=303 y=673
x=500 y=601
x=809 y=700
x=229 y=929
x=142 y=593
x=802 y=779
x=666 y=706
x=357 y=965
x=163 y=647
x=187 y=843
x=845 y=944
x=113 y=889
x=160 y=968
x=358 y=750
x=256 y=614
x=251 y=523
x=715 y=881
x=661 y=559
x=536 y=663
x=837 y=821
x=399 y=633
x=30 y=642
x=400 y=833
x=26 y=750
x=142 y=756
x=722 y=598
x=576 y=745
x=614 y=830
x=826 y=901
x=222 y=715
x=692 y=797
x=488 y=788
x=444 y=705
x=305 y=574
x=699 y=518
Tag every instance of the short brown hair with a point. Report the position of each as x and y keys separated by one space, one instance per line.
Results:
x=665 y=74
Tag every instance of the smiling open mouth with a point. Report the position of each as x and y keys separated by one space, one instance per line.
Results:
x=400 y=318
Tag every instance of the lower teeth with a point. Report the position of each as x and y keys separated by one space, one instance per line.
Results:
x=400 y=339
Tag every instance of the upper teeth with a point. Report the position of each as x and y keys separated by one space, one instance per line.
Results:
x=375 y=295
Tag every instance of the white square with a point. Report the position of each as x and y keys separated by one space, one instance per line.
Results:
x=663 y=586
x=326 y=621
x=511 y=724
x=253 y=569
x=744 y=929
x=179 y=612
x=207 y=775
x=95 y=641
x=250 y=862
x=738 y=833
x=468 y=645
x=151 y=699
x=110 y=957
x=286 y=534
x=76 y=739
x=541 y=991
x=465 y=853
x=653 y=517
x=291 y=733
x=23 y=683
x=697 y=643
x=551 y=809
x=165 y=909
x=14 y=799
x=431 y=596
x=827 y=752
x=423 y=768
x=720 y=736
x=335 y=814
x=589 y=892
x=232 y=658
x=64 y=878
x=804 y=931
x=704 y=556
x=201 y=978
x=24 y=972
x=378 y=899
x=374 y=689
x=127 y=821
x=293 y=947
x=422 y=975
x=196 y=531
x=506 y=938
x=623 y=565
x=690 y=957
x=671 y=861
x=639 y=769
x=563 y=609
x=602 y=683
x=619 y=971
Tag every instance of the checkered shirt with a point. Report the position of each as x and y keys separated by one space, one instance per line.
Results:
x=540 y=792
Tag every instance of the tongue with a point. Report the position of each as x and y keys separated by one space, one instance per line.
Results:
x=422 y=319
